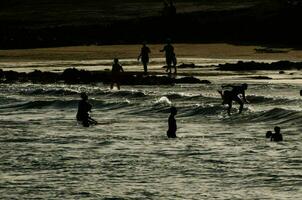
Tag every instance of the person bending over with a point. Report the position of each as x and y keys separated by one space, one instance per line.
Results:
x=237 y=94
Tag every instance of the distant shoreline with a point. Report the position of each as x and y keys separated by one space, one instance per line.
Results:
x=210 y=50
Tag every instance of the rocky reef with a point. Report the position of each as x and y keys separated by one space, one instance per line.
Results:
x=76 y=76
x=249 y=66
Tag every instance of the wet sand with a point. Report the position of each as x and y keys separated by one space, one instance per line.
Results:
x=218 y=50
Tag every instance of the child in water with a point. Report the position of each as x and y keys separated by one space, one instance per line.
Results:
x=171 y=133
x=115 y=73
x=268 y=134
x=83 y=111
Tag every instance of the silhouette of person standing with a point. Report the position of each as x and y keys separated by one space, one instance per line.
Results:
x=83 y=111
x=169 y=9
x=234 y=95
x=172 y=9
x=171 y=133
x=166 y=9
x=170 y=57
x=144 y=56
x=115 y=73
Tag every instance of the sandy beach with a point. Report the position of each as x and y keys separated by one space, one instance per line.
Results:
x=217 y=50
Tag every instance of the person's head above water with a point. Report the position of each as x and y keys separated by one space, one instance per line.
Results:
x=244 y=86
x=144 y=43
x=268 y=134
x=115 y=60
x=84 y=96
x=173 y=110
x=277 y=129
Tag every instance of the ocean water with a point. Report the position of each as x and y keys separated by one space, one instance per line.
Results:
x=45 y=154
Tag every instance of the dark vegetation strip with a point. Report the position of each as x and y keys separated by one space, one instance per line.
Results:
x=270 y=22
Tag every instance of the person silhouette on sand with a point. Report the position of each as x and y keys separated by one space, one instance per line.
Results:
x=237 y=94
x=115 y=73
x=171 y=133
x=170 y=57
x=144 y=56
x=83 y=111
x=277 y=136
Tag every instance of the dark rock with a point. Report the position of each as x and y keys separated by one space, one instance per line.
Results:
x=11 y=76
x=183 y=65
x=205 y=82
x=38 y=76
x=261 y=77
x=270 y=50
x=191 y=80
x=71 y=76
x=247 y=66
x=75 y=76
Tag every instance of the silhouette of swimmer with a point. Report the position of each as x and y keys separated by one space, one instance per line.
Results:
x=144 y=56
x=277 y=136
x=115 y=73
x=170 y=57
x=171 y=133
x=268 y=134
x=83 y=111
x=234 y=95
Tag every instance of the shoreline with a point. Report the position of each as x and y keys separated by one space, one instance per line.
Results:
x=211 y=50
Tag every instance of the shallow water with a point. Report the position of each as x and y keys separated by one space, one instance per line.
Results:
x=45 y=154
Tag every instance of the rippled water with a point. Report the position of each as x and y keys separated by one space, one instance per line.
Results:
x=45 y=154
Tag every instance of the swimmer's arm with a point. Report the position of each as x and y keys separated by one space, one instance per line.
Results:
x=140 y=55
x=122 y=70
x=164 y=49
